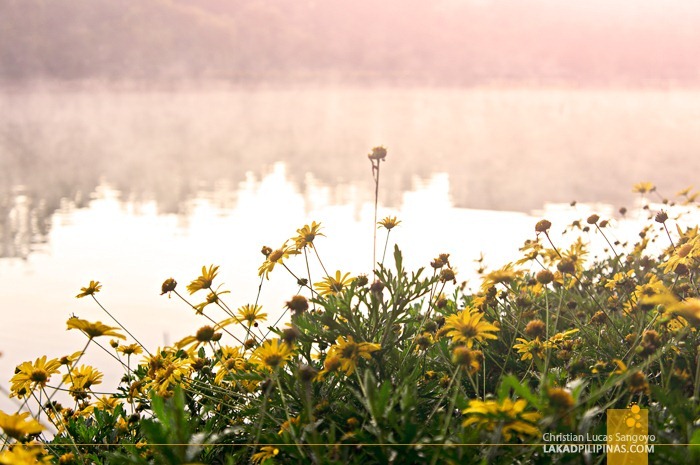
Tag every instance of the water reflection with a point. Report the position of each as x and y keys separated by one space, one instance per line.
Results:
x=24 y=224
x=503 y=149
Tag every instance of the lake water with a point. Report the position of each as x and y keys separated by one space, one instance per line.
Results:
x=131 y=187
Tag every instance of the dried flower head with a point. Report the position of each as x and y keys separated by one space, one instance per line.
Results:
x=661 y=217
x=544 y=277
x=298 y=304
x=378 y=154
x=543 y=226
x=168 y=286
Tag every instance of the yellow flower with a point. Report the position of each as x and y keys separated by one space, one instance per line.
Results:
x=643 y=188
x=93 y=288
x=29 y=375
x=688 y=309
x=288 y=423
x=467 y=358
x=619 y=279
x=467 y=327
x=686 y=255
x=614 y=367
x=92 y=330
x=508 y=415
x=576 y=254
x=530 y=349
x=306 y=235
x=561 y=337
x=531 y=250
x=131 y=349
x=69 y=360
x=349 y=352
x=251 y=314
x=275 y=257
x=330 y=365
x=212 y=298
x=266 y=452
x=102 y=403
x=390 y=222
x=81 y=379
x=334 y=285
x=229 y=360
x=166 y=369
x=205 y=280
x=684 y=192
x=24 y=454
x=271 y=354
x=505 y=275
x=204 y=335
x=17 y=426
x=651 y=293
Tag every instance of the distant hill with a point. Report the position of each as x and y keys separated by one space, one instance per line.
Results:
x=444 y=42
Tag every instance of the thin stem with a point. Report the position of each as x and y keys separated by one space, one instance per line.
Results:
x=669 y=236
x=321 y=262
x=257 y=297
x=617 y=256
x=375 y=173
x=63 y=425
x=308 y=272
x=386 y=243
x=69 y=370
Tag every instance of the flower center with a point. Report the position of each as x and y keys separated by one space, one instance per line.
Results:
x=39 y=376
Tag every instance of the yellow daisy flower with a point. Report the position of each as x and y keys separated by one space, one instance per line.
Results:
x=24 y=454
x=389 y=223
x=306 y=235
x=689 y=309
x=204 y=335
x=92 y=330
x=504 y=275
x=29 y=375
x=333 y=285
x=131 y=349
x=251 y=314
x=18 y=426
x=93 y=288
x=266 y=452
x=166 y=370
x=276 y=257
x=229 y=360
x=205 y=280
x=508 y=415
x=643 y=188
x=468 y=327
x=271 y=354
x=349 y=352
x=686 y=255
x=81 y=379
x=529 y=349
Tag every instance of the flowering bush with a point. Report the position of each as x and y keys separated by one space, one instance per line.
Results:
x=396 y=367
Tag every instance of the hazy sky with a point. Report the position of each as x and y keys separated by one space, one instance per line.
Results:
x=447 y=41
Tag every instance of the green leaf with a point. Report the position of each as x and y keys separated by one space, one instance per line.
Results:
x=511 y=382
